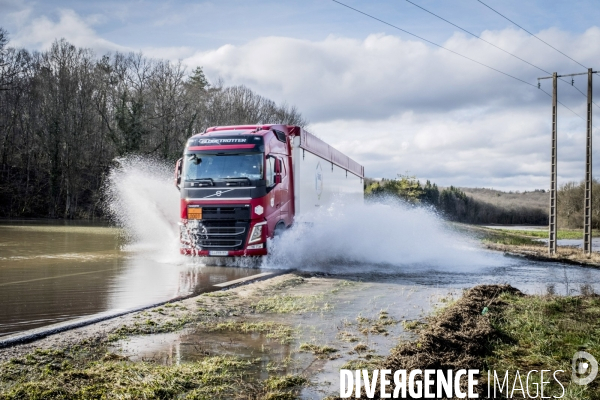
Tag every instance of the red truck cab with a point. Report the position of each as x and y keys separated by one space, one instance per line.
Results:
x=236 y=189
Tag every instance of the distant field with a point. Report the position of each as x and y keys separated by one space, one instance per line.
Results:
x=509 y=200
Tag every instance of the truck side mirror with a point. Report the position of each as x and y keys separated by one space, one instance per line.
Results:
x=178 y=173
x=277 y=170
x=277 y=166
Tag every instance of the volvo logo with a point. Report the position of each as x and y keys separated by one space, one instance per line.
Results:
x=218 y=193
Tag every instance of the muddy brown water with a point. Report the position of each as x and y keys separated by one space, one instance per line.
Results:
x=51 y=272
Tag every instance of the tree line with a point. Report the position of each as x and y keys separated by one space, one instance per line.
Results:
x=452 y=203
x=570 y=203
x=66 y=113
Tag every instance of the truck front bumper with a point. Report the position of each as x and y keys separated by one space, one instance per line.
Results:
x=230 y=253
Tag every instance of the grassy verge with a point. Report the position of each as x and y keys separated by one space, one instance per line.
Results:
x=67 y=375
x=543 y=234
x=524 y=243
x=507 y=237
x=544 y=332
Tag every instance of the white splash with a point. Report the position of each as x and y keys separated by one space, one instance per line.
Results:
x=143 y=200
x=388 y=237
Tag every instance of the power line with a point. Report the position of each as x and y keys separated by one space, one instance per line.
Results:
x=477 y=36
x=435 y=44
x=451 y=51
x=492 y=44
x=546 y=43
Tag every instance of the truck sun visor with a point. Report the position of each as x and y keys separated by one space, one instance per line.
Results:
x=247 y=142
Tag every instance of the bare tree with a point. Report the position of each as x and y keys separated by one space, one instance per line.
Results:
x=65 y=114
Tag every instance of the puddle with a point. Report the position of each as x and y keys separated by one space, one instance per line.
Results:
x=194 y=345
x=352 y=311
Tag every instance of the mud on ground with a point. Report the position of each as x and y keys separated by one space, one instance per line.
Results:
x=457 y=337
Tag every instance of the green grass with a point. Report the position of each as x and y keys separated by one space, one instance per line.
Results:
x=317 y=350
x=501 y=236
x=560 y=234
x=44 y=375
x=287 y=303
x=149 y=326
x=76 y=375
x=539 y=332
x=272 y=330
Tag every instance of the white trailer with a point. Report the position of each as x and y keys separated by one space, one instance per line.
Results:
x=323 y=175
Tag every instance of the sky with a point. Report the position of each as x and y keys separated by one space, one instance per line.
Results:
x=391 y=101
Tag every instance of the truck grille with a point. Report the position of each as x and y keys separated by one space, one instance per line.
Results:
x=230 y=244
x=222 y=228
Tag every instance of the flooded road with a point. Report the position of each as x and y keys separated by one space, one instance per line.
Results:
x=52 y=272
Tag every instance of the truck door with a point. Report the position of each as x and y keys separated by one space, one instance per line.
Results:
x=273 y=209
x=284 y=191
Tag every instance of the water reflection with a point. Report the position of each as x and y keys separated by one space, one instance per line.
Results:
x=51 y=273
x=195 y=345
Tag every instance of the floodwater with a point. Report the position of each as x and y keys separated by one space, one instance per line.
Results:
x=578 y=243
x=55 y=271
x=51 y=272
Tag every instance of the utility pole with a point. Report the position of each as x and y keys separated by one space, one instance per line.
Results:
x=587 y=218
x=553 y=167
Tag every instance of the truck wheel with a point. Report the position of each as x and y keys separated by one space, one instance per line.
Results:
x=279 y=229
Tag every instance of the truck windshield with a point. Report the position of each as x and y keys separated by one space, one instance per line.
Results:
x=222 y=166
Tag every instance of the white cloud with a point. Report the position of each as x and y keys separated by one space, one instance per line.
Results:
x=394 y=104
x=170 y=53
x=41 y=32
x=399 y=105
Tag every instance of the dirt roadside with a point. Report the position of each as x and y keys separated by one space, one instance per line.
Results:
x=279 y=338
x=288 y=337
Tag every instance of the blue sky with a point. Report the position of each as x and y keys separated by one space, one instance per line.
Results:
x=392 y=102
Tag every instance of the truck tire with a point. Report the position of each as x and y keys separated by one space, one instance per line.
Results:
x=279 y=229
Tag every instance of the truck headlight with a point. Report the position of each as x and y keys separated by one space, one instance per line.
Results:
x=256 y=234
